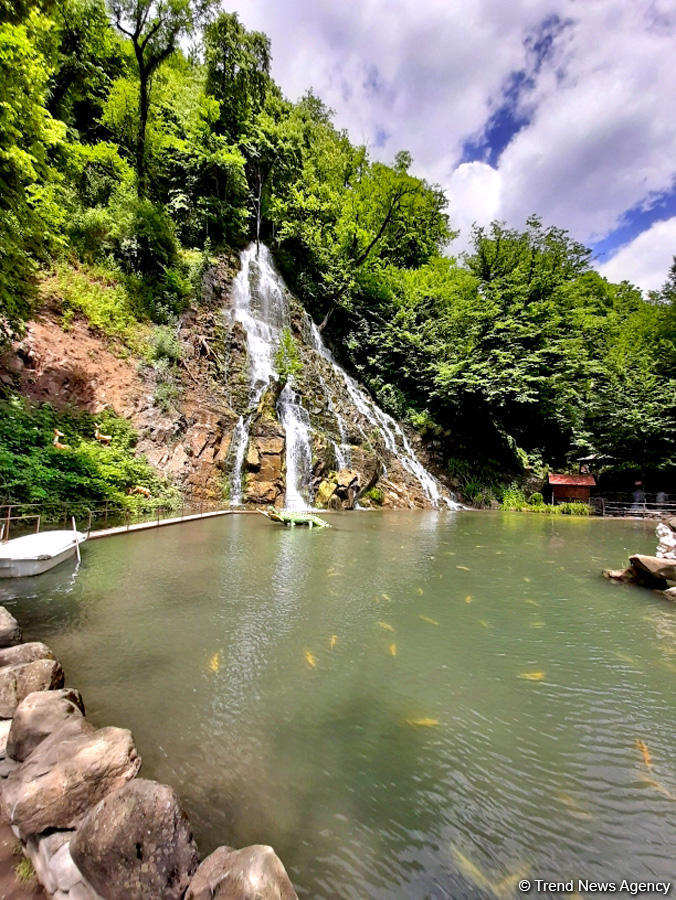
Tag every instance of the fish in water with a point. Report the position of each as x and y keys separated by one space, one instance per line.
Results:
x=332 y=641
x=647 y=758
x=532 y=676
x=660 y=788
x=386 y=626
x=576 y=809
x=393 y=649
x=428 y=620
x=420 y=591
x=386 y=597
x=484 y=623
x=215 y=662
x=531 y=602
x=463 y=568
x=500 y=888
x=310 y=659
x=468 y=598
x=423 y=723
x=527 y=579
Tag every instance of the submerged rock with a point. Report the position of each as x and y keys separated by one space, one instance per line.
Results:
x=17 y=682
x=137 y=844
x=10 y=633
x=67 y=774
x=39 y=715
x=253 y=873
x=24 y=653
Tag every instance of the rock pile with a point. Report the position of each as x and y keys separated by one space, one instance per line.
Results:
x=92 y=829
x=657 y=572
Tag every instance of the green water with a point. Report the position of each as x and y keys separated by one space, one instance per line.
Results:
x=195 y=637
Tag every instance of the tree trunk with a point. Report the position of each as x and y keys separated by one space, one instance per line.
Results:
x=141 y=180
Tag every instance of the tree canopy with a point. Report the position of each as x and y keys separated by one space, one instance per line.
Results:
x=125 y=146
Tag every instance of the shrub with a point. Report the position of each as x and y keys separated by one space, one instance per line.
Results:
x=375 y=495
x=287 y=360
x=513 y=498
x=536 y=499
x=100 y=296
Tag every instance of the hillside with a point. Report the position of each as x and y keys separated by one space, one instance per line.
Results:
x=133 y=177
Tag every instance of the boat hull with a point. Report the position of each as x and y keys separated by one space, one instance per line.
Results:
x=24 y=568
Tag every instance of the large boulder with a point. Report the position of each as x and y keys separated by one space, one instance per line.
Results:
x=39 y=715
x=653 y=570
x=10 y=633
x=136 y=844
x=67 y=774
x=253 y=873
x=24 y=653
x=17 y=682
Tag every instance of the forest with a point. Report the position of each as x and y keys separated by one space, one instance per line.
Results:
x=140 y=139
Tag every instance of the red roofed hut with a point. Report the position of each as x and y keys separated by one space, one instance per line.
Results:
x=571 y=487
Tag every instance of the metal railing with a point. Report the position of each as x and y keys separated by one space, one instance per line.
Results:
x=96 y=516
x=604 y=506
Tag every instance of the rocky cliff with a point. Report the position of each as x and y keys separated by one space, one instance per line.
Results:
x=238 y=427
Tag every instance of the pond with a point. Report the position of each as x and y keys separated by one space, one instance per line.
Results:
x=404 y=705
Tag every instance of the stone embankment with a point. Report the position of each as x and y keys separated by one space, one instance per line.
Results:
x=89 y=825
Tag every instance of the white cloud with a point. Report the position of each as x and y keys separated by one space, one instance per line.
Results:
x=600 y=137
x=648 y=257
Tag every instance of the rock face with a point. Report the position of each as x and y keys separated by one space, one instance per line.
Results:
x=654 y=570
x=253 y=873
x=39 y=715
x=136 y=844
x=17 y=682
x=24 y=653
x=67 y=774
x=10 y=633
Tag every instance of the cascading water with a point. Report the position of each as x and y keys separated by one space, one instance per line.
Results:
x=392 y=433
x=296 y=422
x=260 y=304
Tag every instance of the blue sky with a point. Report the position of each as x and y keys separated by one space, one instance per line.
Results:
x=564 y=108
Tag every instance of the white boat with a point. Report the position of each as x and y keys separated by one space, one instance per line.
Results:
x=34 y=554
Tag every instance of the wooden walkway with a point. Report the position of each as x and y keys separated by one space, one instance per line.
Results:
x=158 y=523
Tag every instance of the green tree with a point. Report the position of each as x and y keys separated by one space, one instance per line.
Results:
x=30 y=214
x=154 y=28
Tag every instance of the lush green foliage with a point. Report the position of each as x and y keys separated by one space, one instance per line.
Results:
x=513 y=498
x=135 y=161
x=287 y=359
x=84 y=475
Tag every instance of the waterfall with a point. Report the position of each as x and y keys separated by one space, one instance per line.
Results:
x=296 y=422
x=260 y=304
x=391 y=431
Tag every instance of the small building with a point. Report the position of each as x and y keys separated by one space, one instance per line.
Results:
x=570 y=487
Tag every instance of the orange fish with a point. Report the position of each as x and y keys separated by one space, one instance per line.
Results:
x=647 y=758
x=310 y=659
x=393 y=649
x=332 y=641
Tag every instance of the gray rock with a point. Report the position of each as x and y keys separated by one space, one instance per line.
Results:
x=253 y=873
x=65 y=874
x=24 y=653
x=17 y=682
x=5 y=725
x=670 y=593
x=10 y=633
x=39 y=715
x=67 y=774
x=137 y=843
x=654 y=570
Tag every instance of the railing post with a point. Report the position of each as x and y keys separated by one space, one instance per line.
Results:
x=9 y=522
